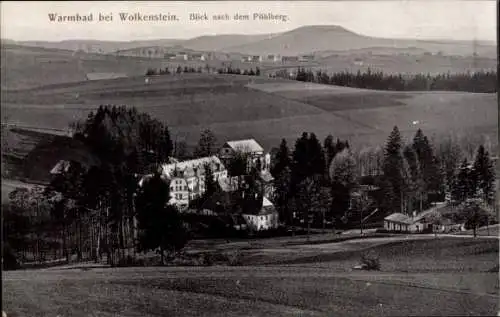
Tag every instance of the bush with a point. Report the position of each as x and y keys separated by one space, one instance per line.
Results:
x=370 y=261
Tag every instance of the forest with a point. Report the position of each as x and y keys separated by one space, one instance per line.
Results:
x=481 y=81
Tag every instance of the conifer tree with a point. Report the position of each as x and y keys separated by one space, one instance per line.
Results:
x=450 y=155
x=483 y=175
x=281 y=160
x=329 y=149
x=461 y=190
x=300 y=160
x=414 y=182
x=206 y=144
x=316 y=156
x=393 y=172
x=210 y=183
x=282 y=194
x=428 y=163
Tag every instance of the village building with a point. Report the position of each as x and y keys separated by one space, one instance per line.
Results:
x=306 y=58
x=197 y=57
x=264 y=219
x=169 y=56
x=273 y=58
x=289 y=59
x=252 y=59
x=187 y=178
x=61 y=167
x=250 y=148
x=181 y=56
x=397 y=222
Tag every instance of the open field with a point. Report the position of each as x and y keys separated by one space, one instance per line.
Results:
x=324 y=287
x=266 y=109
x=28 y=67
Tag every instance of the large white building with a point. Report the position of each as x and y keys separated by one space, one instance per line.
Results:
x=187 y=178
x=248 y=147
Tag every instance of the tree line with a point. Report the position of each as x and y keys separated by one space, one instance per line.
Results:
x=190 y=69
x=314 y=181
x=480 y=81
x=238 y=71
x=177 y=70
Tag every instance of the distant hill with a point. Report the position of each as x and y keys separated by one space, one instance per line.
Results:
x=303 y=40
x=98 y=46
x=222 y=42
x=310 y=39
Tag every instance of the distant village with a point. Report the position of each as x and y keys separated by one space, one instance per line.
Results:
x=187 y=55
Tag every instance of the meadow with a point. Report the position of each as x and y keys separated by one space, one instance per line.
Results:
x=263 y=108
x=323 y=287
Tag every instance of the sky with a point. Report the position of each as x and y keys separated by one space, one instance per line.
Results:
x=415 y=19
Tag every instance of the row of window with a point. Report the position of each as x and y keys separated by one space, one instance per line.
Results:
x=179 y=196
x=179 y=188
x=262 y=218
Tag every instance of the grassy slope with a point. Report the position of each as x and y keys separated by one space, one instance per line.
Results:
x=25 y=67
x=305 y=290
x=28 y=67
x=267 y=109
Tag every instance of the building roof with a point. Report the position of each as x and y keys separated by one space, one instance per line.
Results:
x=266 y=209
x=147 y=178
x=188 y=167
x=245 y=146
x=61 y=167
x=399 y=217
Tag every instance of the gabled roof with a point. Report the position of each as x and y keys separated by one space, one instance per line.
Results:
x=61 y=167
x=399 y=217
x=266 y=209
x=190 y=165
x=245 y=146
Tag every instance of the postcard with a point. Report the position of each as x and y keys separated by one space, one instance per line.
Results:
x=249 y=158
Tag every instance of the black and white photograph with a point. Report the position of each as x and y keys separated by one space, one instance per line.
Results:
x=249 y=158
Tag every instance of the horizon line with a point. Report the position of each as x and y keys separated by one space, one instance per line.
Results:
x=490 y=42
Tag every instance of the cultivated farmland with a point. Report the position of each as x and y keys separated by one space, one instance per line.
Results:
x=266 y=109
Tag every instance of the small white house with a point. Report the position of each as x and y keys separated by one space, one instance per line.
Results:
x=397 y=222
x=267 y=218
